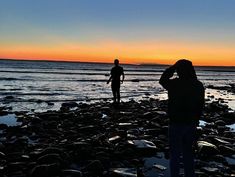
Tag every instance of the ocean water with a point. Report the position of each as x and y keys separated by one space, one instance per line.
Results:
x=34 y=85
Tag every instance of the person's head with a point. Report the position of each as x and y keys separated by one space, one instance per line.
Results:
x=116 y=62
x=185 y=69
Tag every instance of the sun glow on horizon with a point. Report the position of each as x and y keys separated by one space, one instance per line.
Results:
x=128 y=52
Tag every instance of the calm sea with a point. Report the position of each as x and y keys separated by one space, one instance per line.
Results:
x=42 y=85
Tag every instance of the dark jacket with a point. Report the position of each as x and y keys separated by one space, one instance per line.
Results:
x=185 y=98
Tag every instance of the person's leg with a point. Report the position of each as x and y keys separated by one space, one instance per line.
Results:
x=175 y=149
x=114 y=93
x=188 y=154
x=118 y=95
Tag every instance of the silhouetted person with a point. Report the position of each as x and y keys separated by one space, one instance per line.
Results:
x=116 y=73
x=185 y=105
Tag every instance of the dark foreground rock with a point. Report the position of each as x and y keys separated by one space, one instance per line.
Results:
x=102 y=140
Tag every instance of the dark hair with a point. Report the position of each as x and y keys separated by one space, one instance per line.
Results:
x=185 y=69
x=116 y=61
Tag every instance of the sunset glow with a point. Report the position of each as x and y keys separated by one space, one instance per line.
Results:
x=70 y=32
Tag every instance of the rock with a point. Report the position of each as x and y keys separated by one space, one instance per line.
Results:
x=3 y=113
x=36 y=120
x=3 y=126
x=162 y=113
x=210 y=170
x=9 y=97
x=220 y=141
x=17 y=174
x=147 y=114
x=123 y=172
x=114 y=139
x=45 y=170
x=69 y=104
x=216 y=107
x=125 y=124
x=51 y=150
x=95 y=167
x=135 y=80
x=16 y=166
x=229 y=117
x=2 y=155
x=78 y=146
x=205 y=148
x=88 y=129
x=220 y=123
x=39 y=101
x=143 y=147
x=159 y=167
x=226 y=150
x=50 y=104
x=231 y=161
x=72 y=173
x=49 y=159
x=49 y=116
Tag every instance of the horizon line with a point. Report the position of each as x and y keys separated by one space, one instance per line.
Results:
x=77 y=61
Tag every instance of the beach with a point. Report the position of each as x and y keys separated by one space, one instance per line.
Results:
x=102 y=140
x=57 y=119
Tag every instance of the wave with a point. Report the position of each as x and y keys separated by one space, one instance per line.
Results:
x=231 y=70
x=29 y=94
x=11 y=79
x=127 y=73
x=152 y=72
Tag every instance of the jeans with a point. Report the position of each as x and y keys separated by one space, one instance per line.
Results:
x=181 y=139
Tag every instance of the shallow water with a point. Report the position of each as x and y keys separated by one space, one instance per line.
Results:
x=229 y=98
x=232 y=127
x=202 y=123
x=9 y=120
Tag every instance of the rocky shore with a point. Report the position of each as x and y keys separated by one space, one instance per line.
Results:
x=102 y=140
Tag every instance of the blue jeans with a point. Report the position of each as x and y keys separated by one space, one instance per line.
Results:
x=181 y=139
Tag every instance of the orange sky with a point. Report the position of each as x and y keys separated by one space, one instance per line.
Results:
x=128 y=52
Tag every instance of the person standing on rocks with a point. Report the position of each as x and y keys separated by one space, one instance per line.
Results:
x=116 y=73
x=185 y=105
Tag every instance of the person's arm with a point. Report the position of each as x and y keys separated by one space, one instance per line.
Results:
x=111 y=76
x=165 y=78
x=109 y=79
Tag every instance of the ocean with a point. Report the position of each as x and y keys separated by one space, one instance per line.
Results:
x=44 y=85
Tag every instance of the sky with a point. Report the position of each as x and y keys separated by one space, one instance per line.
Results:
x=135 y=31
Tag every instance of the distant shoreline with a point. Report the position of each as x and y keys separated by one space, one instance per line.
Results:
x=141 y=64
x=60 y=61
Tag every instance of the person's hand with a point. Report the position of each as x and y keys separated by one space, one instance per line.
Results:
x=173 y=67
x=170 y=71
